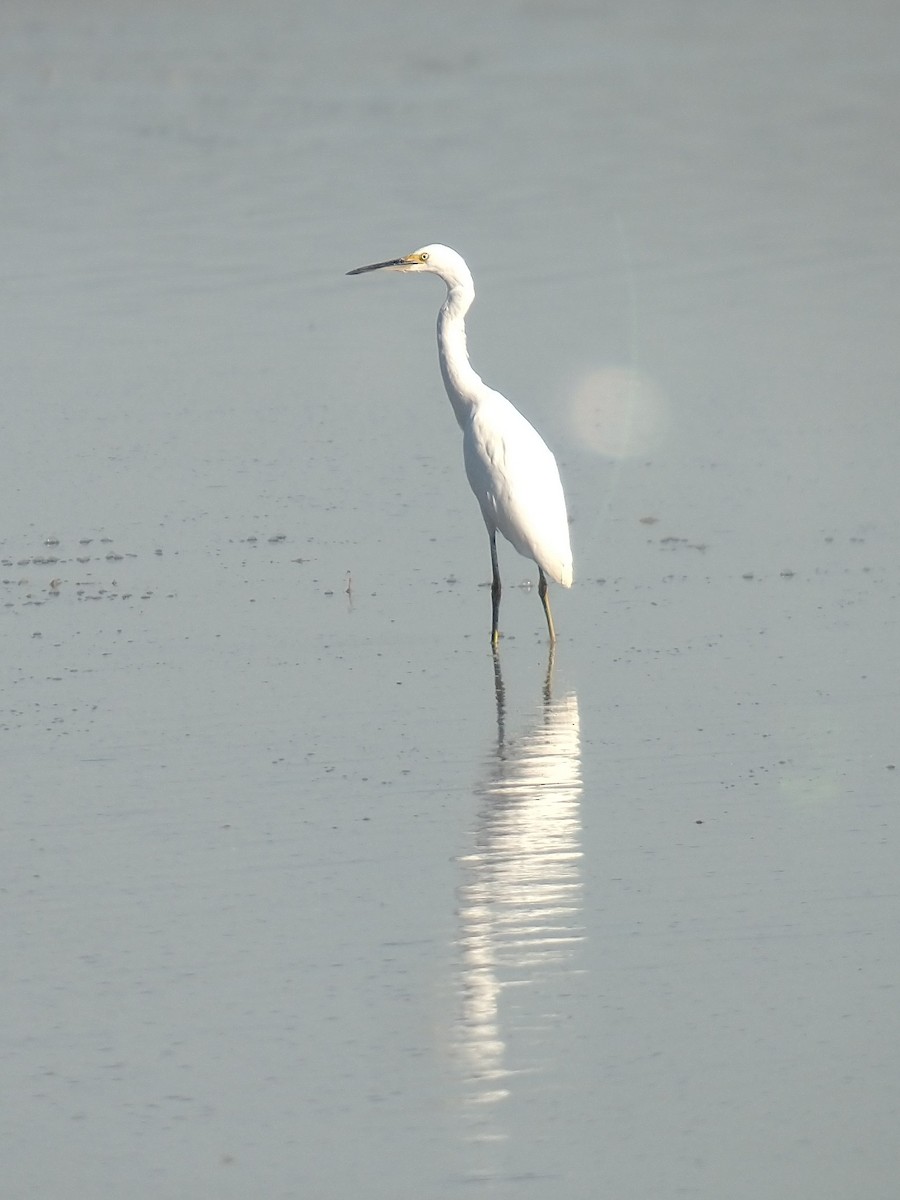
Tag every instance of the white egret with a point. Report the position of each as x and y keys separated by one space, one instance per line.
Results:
x=511 y=470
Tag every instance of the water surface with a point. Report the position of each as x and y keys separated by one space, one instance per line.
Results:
x=305 y=893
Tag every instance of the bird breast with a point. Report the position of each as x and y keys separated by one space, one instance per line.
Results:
x=516 y=481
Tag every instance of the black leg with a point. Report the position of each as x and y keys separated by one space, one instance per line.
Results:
x=542 y=592
x=495 y=591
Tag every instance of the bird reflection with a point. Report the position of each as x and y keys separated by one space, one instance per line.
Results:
x=519 y=901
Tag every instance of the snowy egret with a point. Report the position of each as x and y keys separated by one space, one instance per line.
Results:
x=510 y=468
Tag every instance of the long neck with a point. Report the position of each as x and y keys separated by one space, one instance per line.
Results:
x=463 y=384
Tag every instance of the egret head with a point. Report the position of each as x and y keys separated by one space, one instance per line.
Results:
x=436 y=259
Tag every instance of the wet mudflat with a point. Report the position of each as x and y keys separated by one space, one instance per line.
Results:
x=305 y=892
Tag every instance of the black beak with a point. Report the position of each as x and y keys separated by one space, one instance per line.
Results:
x=393 y=262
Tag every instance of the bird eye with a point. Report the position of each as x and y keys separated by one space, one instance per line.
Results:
x=424 y=256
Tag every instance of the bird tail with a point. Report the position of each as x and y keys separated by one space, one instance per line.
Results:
x=561 y=572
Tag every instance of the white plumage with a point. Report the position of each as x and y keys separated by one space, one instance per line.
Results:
x=510 y=468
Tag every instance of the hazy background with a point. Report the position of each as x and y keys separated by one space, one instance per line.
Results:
x=304 y=895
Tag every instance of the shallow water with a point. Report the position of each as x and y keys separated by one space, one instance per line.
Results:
x=305 y=894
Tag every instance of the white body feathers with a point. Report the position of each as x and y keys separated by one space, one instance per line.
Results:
x=511 y=470
x=516 y=481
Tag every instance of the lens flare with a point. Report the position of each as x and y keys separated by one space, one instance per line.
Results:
x=619 y=412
